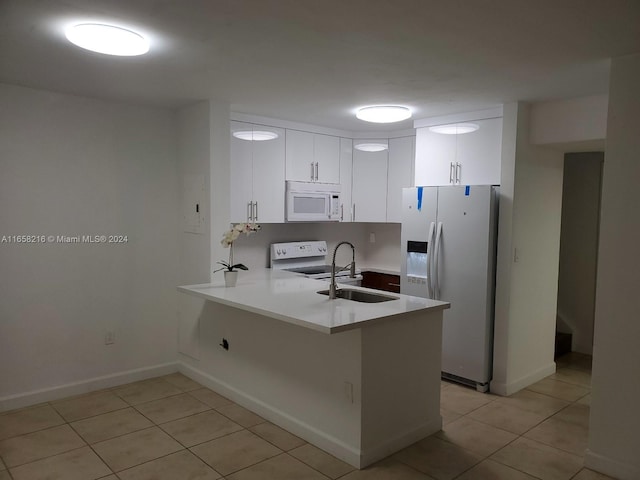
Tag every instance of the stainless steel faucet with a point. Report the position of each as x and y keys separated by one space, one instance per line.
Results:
x=352 y=272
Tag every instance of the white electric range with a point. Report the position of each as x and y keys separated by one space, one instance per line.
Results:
x=310 y=259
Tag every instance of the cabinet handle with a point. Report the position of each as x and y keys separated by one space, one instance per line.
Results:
x=316 y=171
x=255 y=217
x=354 y=212
x=312 y=171
x=249 y=211
x=393 y=284
x=342 y=212
x=451 y=168
x=458 y=172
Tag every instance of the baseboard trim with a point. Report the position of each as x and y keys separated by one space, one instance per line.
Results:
x=506 y=389
x=611 y=467
x=369 y=456
x=351 y=454
x=84 y=386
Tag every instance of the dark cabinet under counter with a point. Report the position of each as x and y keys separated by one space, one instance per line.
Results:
x=381 y=281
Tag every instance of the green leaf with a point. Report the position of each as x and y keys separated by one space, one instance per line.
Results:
x=240 y=266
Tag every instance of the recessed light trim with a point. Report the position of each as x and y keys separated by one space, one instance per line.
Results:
x=107 y=39
x=371 y=147
x=455 y=128
x=383 y=113
x=255 y=135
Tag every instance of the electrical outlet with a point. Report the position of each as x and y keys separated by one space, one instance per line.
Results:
x=110 y=337
x=372 y=237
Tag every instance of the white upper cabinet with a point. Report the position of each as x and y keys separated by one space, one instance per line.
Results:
x=400 y=174
x=369 y=199
x=312 y=157
x=435 y=154
x=479 y=154
x=346 y=171
x=466 y=159
x=257 y=175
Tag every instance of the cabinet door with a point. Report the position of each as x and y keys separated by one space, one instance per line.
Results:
x=479 y=153
x=434 y=154
x=369 y=186
x=401 y=154
x=268 y=177
x=299 y=156
x=241 y=175
x=346 y=170
x=326 y=153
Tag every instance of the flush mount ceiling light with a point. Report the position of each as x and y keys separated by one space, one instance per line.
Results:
x=455 y=128
x=371 y=147
x=255 y=135
x=383 y=113
x=107 y=39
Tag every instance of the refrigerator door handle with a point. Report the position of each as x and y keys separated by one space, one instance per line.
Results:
x=432 y=228
x=436 y=278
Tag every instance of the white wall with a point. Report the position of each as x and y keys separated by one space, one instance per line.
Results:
x=579 y=247
x=74 y=166
x=578 y=120
x=614 y=430
x=194 y=165
x=528 y=253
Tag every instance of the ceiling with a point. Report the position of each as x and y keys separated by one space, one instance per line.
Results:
x=316 y=61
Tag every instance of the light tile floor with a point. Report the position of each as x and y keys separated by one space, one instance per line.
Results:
x=172 y=428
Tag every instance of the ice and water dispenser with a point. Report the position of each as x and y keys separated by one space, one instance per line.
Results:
x=417 y=262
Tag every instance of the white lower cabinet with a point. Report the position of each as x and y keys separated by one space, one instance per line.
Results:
x=369 y=192
x=257 y=175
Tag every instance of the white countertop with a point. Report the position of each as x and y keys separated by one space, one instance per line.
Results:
x=294 y=299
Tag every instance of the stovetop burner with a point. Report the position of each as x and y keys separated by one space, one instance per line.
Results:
x=315 y=270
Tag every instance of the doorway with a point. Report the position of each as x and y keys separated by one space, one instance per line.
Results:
x=578 y=252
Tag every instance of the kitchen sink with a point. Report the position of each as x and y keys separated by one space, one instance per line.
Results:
x=359 y=295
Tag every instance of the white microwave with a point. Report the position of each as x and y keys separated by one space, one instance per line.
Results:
x=313 y=202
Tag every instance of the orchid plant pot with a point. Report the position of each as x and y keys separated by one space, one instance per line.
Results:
x=230 y=278
x=230 y=272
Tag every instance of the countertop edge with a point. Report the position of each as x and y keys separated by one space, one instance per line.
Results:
x=259 y=311
x=196 y=290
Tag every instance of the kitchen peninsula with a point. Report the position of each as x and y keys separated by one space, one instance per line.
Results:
x=359 y=380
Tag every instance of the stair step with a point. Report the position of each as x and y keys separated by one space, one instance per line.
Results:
x=563 y=344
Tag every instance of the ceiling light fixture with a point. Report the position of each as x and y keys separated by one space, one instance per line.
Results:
x=255 y=135
x=455 y=128
x=107 y=39
x=371 y=147
x=383 y=113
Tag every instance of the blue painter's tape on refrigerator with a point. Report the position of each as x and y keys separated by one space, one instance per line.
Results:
x=420 y=198
x=466 y=190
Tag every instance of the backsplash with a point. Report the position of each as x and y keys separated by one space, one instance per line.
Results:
x=253 y=251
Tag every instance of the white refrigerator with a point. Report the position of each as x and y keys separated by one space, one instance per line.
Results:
x=448 y=253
